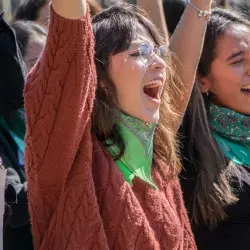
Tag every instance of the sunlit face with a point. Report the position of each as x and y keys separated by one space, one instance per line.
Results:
x=139 y=84
x=229 y=78
x=34 y=49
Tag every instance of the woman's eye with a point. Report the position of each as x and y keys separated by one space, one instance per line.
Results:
x=135 y=54
x=237 y=62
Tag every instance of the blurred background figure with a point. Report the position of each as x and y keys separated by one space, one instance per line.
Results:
x=242 y=6
x=2 y=199
x=15 y=4
x=17 y=235
x=31 y=39
x=173 y=10
x=34 y=10
x=108 y=3
x=95 y=7
x=221 y=3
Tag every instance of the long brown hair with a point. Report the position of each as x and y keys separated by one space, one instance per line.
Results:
x=214 y=174
x=114 y=30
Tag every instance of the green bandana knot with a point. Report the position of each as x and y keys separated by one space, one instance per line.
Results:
x=138 y=138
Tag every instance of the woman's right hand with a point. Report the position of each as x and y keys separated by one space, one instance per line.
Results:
x=70 y=9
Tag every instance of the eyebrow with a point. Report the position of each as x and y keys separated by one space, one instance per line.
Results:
x=234 y=55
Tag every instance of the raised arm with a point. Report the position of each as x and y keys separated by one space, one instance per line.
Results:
x=75 y=9
x=186 y=44
x=156 y=14
x=59 y=96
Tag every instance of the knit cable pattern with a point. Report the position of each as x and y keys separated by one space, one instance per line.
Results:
x=78 y=199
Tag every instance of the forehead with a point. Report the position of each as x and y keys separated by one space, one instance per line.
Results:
x=235 y=39
x=141 y=35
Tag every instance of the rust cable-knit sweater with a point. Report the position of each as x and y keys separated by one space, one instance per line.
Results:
x=78 y=199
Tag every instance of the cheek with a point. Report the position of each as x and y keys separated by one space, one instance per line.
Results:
x=126 y=73
x=228 y=79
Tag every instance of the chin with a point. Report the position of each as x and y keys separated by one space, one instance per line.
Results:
x=150 y=117
x=146 y=115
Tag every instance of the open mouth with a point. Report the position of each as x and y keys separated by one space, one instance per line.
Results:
x=246 y=90
x=152 y=89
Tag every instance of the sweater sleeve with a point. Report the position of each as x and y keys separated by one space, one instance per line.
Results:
x=58 y=99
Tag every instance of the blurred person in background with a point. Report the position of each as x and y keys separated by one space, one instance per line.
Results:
x=221 y=3
x=241 y=6
x=34 y=10
x=173 y=10
x=17 y=235
x=155 y=11
x=109 y=3
x=31 y=38
x=95 y=7
x=15 y=4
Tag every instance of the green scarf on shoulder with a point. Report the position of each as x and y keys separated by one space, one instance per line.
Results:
x=231 y=130
x=15 y=126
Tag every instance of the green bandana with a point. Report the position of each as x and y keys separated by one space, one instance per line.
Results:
x=231 y=131
x=15 y=125
x=138 y=138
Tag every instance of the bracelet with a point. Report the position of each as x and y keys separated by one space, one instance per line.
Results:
x=201 y=13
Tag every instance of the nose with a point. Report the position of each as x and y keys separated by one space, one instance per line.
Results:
x=158 y=64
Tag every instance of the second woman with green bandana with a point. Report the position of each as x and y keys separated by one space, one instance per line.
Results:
x=216 y=137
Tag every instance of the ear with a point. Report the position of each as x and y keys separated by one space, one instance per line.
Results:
x=204 y=83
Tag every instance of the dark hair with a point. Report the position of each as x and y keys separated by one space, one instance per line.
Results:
x=29 y=10
x=213 y=190
x=114 y=30
x=25 y=32
x=243 y=7
x=173 y=10
x=220 y=3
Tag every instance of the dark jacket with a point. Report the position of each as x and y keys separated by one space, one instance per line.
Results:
x=17 y=235
x=12 y=70
x=231 y=234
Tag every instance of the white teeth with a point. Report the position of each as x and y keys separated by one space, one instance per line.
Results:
x=246 y=87
x=154 y=83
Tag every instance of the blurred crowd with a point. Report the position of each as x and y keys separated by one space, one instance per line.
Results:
x=30 y=20
x=21 y=43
